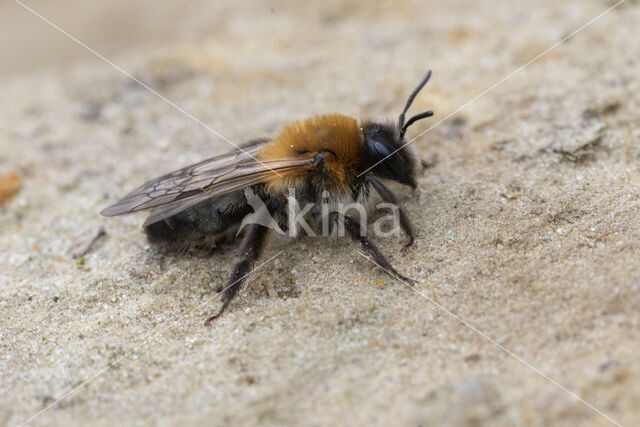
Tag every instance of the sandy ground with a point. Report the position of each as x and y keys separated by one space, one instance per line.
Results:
x=527 y=225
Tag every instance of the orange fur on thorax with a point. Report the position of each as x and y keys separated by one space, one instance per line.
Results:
x=326 y=133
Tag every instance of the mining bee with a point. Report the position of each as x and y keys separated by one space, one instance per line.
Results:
x=330 y=156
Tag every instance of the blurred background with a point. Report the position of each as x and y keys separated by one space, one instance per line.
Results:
x=113 y=26
x=108 y=26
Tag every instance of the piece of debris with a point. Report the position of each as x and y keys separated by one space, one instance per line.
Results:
x=83 y=246
x=611 y=363
x=10 y=184
x=601 y=108
x=578 y=146
x=91 y=110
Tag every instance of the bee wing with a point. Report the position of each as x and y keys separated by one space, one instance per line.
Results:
x=214 y=177
x=176 y=177
x=243 y=153
x=176 y=191
x=165 y=211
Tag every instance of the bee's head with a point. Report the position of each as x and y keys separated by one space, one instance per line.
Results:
x=386 y=151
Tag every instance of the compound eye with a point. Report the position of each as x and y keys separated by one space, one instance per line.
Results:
x=391 y=162
x=379 y=150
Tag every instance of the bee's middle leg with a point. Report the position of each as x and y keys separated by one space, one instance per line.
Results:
x=353 y=228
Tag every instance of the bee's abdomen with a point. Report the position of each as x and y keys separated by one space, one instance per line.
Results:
x=202 y=226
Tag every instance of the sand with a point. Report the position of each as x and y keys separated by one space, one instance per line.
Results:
x=527 y=255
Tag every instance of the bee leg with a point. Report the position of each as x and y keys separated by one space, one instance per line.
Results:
x=353 y=228
x=388 y=197
x=252 y=245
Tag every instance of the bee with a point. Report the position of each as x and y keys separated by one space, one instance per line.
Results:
x=329 y=156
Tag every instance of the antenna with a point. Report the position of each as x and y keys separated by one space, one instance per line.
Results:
x=414 y=119
x=401 y=124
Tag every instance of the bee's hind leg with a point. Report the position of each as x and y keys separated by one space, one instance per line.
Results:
x=388 y=197
x=251 y=249
x=252 y=245
x=353 y=228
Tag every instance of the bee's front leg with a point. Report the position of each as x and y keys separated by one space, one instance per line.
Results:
x=353 y=228
x=388 y=197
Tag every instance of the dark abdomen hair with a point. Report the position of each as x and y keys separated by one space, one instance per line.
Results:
x=202 y=226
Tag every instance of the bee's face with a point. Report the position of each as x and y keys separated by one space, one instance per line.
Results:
x=381 y=140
